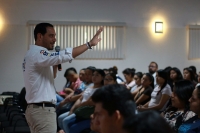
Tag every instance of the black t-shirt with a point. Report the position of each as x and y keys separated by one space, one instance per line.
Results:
x=147 y=92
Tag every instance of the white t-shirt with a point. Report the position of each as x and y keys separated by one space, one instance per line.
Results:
x=134 y=87
x=88 y=93
x=131 y=84
x=198 y=84
x=155 y=97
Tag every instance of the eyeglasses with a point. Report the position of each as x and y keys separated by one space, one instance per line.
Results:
x=151 y=66
x=108 y=79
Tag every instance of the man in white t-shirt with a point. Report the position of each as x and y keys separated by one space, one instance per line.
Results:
x=153 y=67
x=39 y=70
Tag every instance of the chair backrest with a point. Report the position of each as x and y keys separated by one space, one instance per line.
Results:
x=6 y=103
x=21 y=122
x=10 y=93
x=3 y=97
x=15 y=117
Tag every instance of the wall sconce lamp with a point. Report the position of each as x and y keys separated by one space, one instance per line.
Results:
x=158 y=27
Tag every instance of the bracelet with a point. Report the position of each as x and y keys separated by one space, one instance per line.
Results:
x=88 y=45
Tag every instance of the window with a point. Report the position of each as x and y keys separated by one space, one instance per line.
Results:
x=72 y=34
x=194 y=41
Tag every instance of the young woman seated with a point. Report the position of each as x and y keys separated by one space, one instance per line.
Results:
x=188 y=74
x=110 y=78
x=193 y=124
x=138 y=78
x=175 y=75
x=179 y=110
x=128 y=75
x=160 y=95
x=143 y=95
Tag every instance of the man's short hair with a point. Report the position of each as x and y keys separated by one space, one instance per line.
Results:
x=91 y=68
x=147 y=122
x=41 y=28
x=115 y=97
x=155 y=63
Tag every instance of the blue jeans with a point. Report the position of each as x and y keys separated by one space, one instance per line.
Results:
x=59 y=99
x=64 y=120
x=80 y=126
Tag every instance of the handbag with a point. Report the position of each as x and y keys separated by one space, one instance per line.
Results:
x=84 y=112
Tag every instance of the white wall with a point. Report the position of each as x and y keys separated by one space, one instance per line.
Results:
x=141 y=46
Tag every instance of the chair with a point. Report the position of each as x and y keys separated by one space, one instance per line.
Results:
x=20 y=126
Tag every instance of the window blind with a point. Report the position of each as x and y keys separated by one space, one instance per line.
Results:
x=194 y=41
x=73 y=34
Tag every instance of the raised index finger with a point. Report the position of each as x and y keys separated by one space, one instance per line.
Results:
x=99 y=31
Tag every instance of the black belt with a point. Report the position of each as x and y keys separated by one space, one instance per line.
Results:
x=45 y=104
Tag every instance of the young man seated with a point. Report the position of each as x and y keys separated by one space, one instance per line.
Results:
x=113 y=105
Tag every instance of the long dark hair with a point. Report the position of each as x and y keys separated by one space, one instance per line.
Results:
x=178 y=72
x=192 y=76
x=101 y=72
x=139 y=74
x=112 y=75
x=129 y=71
x=183 y=90
x=151 y=79
x=163 y=74
x=198 y=91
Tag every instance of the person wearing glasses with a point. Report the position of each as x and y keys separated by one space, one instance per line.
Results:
x=153 y=67
x=110 y=78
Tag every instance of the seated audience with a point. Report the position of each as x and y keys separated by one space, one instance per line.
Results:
x=110 y=78
x=143 y=95
x=106 y=71
x=84 y=100
x=188 y=74
x=193 y=124
x=169 y=81
x=195 y=73
x=75 y=82
x=160 y=95
x=153 y=67
x=82 y=74
x=114 y=70
x=128 y=75
x=113 y=105
x=137 y=77
x=70 y=99
x=68 y=83
x=175 y=75
x=180 y=104
x=147 y=122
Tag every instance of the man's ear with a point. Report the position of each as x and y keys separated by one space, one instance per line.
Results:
x=117 y=116
x=39 y=36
